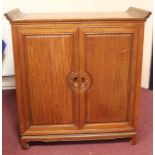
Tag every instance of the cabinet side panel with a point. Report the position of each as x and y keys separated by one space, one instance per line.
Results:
x=140 y=39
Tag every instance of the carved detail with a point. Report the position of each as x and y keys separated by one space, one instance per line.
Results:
x=82 y=84
x=85 y=81
x=73 y=81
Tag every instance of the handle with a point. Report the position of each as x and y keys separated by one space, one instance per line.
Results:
x=85 y=81
x=80 y=82
x=73 y=81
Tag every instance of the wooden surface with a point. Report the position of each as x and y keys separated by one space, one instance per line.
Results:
x=108 y=55
x=131 y=14
x=78 y=78
x=77 y=137
x=46 y=60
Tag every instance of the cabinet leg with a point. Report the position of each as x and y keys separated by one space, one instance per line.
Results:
x=24 y=144
x=133 y=140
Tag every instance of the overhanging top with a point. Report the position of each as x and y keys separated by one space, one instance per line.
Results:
x=16 y=16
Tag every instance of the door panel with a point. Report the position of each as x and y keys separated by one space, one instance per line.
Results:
x=111 y=54
x=108 y=55
x=48 y=56
x=46 y=78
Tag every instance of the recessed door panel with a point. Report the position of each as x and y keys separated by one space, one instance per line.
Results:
x=109 y=63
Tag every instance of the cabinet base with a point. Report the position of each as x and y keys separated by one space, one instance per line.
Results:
x=77 y=137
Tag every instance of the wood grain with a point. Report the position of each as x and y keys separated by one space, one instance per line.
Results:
x=109 y=56
x=108 y=62
x=46 y=93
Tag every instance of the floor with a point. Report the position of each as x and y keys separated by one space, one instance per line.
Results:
x=11 y=144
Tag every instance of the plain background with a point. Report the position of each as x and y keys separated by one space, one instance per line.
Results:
x=82 y=6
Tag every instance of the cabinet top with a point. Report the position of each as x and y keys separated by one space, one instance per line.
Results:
x=132 y=14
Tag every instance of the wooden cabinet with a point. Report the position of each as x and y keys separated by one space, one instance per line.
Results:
x=78 y=74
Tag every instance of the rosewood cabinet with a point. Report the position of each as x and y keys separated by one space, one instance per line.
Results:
x=77 y=74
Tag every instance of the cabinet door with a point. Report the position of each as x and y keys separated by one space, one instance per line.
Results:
x=108 y=71
x=47 y=57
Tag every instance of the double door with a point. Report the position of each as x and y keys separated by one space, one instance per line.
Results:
x=77 y=80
